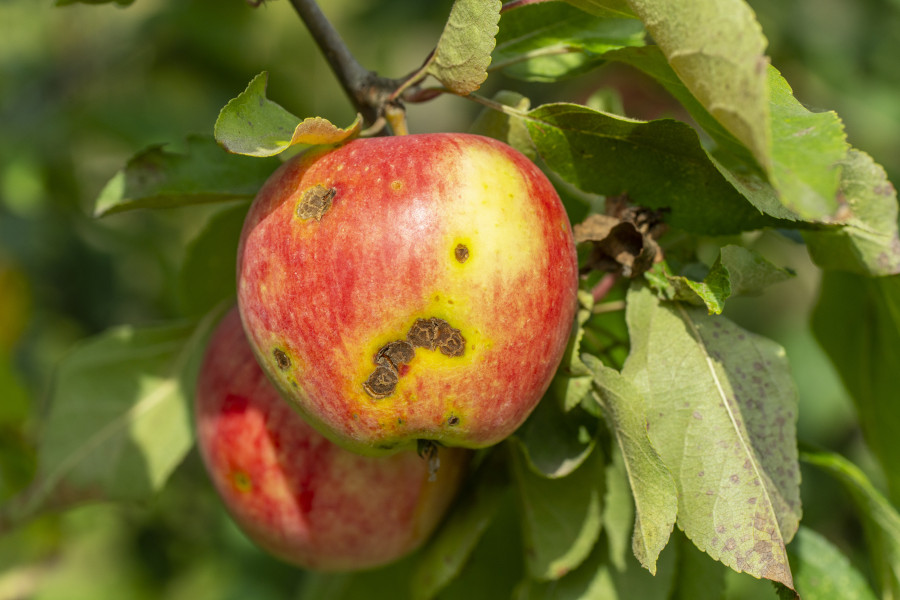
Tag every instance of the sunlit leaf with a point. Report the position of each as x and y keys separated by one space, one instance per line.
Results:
x=722 y=412
x=866 y=238
x=463 y=52
x=736 y=271
x=604 y=8
x=507 y=128
x=119 y=419
x=652 y=486
x=253 y=125
x=158 y=178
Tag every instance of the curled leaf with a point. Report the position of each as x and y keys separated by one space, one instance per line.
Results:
x=253 y=125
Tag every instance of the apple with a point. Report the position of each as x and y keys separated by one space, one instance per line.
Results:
x=407 y=288
x=298 y=495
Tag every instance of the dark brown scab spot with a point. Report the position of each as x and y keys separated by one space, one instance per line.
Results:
x=281 y=359
x=461 y=252
x=437 y=334
x=394 y=354
x=453 y=421
x=381 y=382
x=315 y=202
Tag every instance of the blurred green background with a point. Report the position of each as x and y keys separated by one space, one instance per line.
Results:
x=83 y=88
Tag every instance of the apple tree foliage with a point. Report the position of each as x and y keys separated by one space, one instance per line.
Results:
x=666 y=450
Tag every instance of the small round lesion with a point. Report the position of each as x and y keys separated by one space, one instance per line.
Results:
x=281 y=359
x=453 y=421
x=315 y=202
x=461 y=252
x=241 y=481
x=381 y=383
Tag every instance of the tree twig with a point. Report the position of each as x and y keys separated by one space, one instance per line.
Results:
x=368 y=92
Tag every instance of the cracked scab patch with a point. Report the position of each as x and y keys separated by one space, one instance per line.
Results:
x=382 y=382
x=315 y=202
x=437 y=334
x=431 y=334
x=394 y=354
x=461 y=252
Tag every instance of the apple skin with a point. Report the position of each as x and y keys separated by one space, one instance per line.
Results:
x=345 y=250
x=293 y=492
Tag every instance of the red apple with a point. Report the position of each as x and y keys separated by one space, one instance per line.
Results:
x=298 y=495
x=412 y=287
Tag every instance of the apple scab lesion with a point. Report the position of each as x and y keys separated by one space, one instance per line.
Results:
x=315 y=202
x=432 y=334
x=461 y=252
x=281 y=359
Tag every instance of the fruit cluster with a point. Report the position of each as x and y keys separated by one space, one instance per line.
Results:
x=447 y=261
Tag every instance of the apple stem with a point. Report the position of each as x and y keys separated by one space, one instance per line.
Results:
x=369 y=93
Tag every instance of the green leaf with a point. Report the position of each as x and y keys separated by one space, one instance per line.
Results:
x=572 y=381
x=377 y=584
x=696 y=576
x=722 y=412
x=69 y=2
x=598 y=579
x=463 y=52
x=880 y=520
x=604 y=8
x=555 y=442
x=857 y=323
x=655 y=495
x=451 y=546
x=157 y=178
x=822 y=572
x=718 y=50
x=658 y=163
x=806 y=148
x=866 y=238
x=561 y=518
x=253 y=125
x=207 y=274
x=119 y=420
x=551 y=41
x=618 y=511
x=736 y=271
x=495 y=566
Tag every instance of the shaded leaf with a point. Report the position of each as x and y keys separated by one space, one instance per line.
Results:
x=657 y=163
x=604 y=8
x=157 y=178
x=866 y=240
x=880 y=519
x=555 y=443
x=618 y=511
x=722 y=412
x=463 y=52
x=857 y=323
x=822 y=572
x=807 y=148
x=598 y=579
x=696 y=576
x=572 y=380
x=119 y=422
x=561 y=518
x=253 y=125
x=119 y=2
x=376 y=584
x=550 y=41
x=652 y=486
x=446 y=553
x=207 y=274
x=736 y=271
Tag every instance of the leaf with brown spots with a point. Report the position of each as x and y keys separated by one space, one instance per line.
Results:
x=722 y=411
